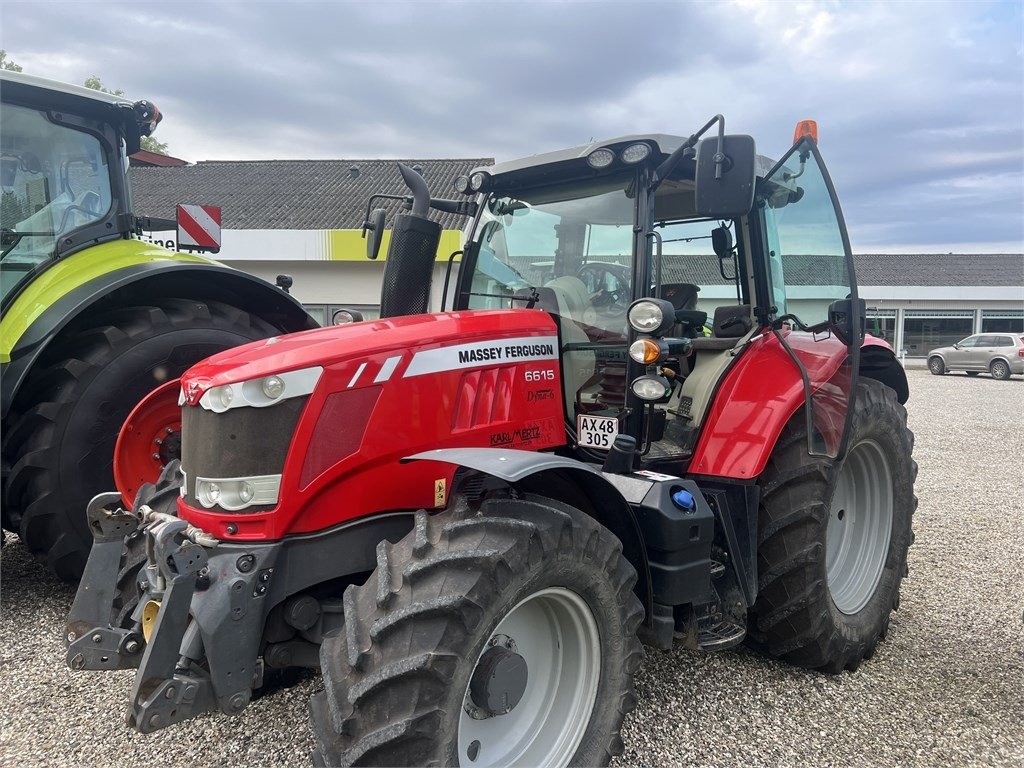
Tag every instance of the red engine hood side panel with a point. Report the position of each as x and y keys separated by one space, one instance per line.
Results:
x=459 y=379
x=758 y=395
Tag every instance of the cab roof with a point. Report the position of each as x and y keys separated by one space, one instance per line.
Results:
x=33 y=81
x=543 y=167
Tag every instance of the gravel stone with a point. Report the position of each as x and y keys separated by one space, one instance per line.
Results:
x=945 y=688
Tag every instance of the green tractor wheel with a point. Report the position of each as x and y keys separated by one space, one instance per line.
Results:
x=60 y=444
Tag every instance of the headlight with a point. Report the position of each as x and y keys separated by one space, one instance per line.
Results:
x=634 y=153
x=600 y=158
x=235 y=493
x=648 y=351
x=461 y=185
x=259 y=393
x=653 y=316
x=650 y=387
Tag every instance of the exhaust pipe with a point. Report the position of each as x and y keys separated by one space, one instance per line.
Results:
x=409 y=270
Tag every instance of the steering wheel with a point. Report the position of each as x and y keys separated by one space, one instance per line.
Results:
x=612 y=293
x=89 y=205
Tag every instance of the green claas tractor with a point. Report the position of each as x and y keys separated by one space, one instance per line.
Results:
x=469 y=520
x=92 y=317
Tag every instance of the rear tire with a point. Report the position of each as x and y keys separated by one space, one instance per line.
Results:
x=999 y=370
x=61 y=441
x=397 y=677
x=936 y=366
x=833 y=538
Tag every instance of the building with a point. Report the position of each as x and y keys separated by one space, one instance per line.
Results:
x=303 y=218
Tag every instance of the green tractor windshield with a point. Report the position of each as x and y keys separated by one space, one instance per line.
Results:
x=55 y=179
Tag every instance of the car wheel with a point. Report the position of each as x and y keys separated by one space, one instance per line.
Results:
x=936 y=366
x=999 y=369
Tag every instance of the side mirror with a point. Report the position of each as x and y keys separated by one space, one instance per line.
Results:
x=957 y=345
x=847 y=319
x=725 y=181
x=375 y=226
x=721 y=241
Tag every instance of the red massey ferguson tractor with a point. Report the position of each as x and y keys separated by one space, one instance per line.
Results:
x=469 y=520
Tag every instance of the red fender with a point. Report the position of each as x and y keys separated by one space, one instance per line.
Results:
x=148 y=440
x=763 y=389
x=755 y=399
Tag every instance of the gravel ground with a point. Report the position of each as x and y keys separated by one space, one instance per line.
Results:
x=946 y=688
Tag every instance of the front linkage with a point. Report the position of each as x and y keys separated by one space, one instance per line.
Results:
x=195 y=591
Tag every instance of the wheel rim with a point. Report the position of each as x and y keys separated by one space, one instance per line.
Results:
x=935 y=365
x=555 y=631
x=859 y=527
x=998 y=370
x=149 y=439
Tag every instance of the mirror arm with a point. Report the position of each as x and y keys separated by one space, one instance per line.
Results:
x=406 y=200
x=686 y=150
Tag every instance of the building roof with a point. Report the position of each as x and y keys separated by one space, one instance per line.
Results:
x=145 y=158
x=1001 y=269
x=291 y=194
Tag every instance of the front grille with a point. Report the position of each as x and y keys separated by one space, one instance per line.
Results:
x=238 y=442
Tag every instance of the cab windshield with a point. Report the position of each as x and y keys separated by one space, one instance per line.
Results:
x=567 y=249
x=54 y=179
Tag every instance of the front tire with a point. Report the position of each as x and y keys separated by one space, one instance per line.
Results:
x=524 y=590
x=936 y=366
x=61 y=440
x=833 y=538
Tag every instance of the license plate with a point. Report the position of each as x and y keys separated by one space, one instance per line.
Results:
x=596 y=431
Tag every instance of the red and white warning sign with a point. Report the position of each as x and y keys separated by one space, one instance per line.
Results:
x=199 y=226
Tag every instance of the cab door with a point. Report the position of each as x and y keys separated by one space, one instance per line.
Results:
x=809 y=286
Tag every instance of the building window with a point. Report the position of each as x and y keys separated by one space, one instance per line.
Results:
x=925 y=330
x=881 y=323
x=1005 y=320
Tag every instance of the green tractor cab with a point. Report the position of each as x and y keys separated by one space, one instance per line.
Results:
x=91 y=318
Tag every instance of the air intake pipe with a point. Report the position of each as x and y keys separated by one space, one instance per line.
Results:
x=409 y=269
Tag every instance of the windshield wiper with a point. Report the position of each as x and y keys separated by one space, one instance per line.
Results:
x=9 y=239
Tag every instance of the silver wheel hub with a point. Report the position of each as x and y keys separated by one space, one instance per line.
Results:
x=859 y=527
x=534 y=686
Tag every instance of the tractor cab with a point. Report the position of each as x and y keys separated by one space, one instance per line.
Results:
x=662 y=258
x=63 y=171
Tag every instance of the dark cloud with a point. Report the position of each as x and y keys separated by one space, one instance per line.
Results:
x=919 y=105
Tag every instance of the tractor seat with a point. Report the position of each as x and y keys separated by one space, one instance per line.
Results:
x=681 y=295
x=731 y=323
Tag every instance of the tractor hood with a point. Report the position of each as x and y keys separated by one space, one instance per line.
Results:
x=328 y=347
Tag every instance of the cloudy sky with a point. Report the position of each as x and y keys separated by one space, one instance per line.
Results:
x=920 y=105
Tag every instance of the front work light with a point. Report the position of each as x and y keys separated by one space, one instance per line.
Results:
x=650 y=387
x=461 y=185
x=478 y=181
x=600 y=158
x=635 y=153
x=653 y=316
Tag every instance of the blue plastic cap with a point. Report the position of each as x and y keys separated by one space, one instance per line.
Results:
x=684 y=500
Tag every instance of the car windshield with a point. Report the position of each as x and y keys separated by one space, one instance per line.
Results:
x=568 y=248
x=54 y=180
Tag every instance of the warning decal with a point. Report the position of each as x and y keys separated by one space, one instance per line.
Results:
x=199 y=226
x=519 y=350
